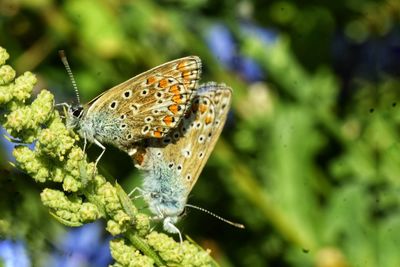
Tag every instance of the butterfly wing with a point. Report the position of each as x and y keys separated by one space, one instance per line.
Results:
x=188 y=147
x=151 y=103
x=212 y=115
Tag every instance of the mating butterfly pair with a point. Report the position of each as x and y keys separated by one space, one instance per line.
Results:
x=166 y=122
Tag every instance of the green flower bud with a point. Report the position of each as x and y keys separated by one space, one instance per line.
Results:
x=3 y=56
x=127 y=255
x=185 y=254
x=7 y=74
x=89 y=212
x=113 y=228
x=70 y=184
x=26 y=160
x=23 y=86
x=142 y=224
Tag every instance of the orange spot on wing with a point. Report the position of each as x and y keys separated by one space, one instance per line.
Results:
x=182 y=65
x=157 y=134
x=174 y=89
x=203 y=108
x=151 y=80
x=163 y=83
x=168 y=120
x=208 y=120
x=177 y=98
x=174 y=108
x=186 y=74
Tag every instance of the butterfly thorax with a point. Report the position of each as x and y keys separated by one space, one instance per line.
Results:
x=100 y=126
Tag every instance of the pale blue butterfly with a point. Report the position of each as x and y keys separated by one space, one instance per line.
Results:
x=173 y=163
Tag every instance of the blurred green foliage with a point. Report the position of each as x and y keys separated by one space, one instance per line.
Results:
x=309 y=160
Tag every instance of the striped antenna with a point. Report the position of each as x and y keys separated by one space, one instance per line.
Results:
x=71 y=76
x=238 y=225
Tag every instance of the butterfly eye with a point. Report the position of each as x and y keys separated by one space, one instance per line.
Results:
x=183 y=213
x=77 y=112
x=154 y=195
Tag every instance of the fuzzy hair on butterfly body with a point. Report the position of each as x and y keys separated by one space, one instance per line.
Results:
x=166 y=193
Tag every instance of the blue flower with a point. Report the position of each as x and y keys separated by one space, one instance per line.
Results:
x=13 y=254
x=83 y=246
x=267 y=36
x=223 y=45
x=249 y=69
x=7 y=147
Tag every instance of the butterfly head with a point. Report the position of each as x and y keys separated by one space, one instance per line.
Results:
x=166 y=204
x=168 y=207
x=74 y=115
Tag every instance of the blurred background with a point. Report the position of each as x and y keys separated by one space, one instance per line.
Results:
x=309 y=159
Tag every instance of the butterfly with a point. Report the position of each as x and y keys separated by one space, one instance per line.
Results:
x=145 y=106
x=172 y=164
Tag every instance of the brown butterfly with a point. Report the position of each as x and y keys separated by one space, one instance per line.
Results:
x=146 y=106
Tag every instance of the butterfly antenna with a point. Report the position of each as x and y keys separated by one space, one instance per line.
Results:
x=71 y=76
x=238 y=225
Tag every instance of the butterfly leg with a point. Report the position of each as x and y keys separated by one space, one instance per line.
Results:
x=84 y=142
x=84 y=146
x=170 y=227
x=101 y=154
x=142 y=192
x=64 y=104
